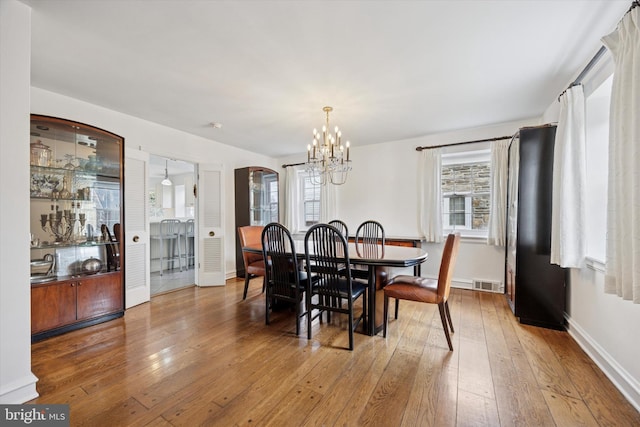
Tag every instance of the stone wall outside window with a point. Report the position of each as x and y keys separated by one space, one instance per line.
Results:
x=470 y=179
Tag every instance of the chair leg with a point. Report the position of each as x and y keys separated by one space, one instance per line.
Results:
x=267 y=307
x=309 y=312
x=444 y=324
x=385 y=316
x=350 y=324
x=247 y=277
x=446 y=307
x=397 y=308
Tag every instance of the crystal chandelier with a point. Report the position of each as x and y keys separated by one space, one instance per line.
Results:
x=327 y=159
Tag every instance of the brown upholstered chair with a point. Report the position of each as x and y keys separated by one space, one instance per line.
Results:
x=251 y=235
x=430 y=291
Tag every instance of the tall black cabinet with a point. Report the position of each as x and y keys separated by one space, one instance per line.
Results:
x=535 y=287
x=256 y=193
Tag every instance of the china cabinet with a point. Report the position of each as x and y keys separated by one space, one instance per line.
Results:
x=256 y=193
x=535 y=288
x=76 y=214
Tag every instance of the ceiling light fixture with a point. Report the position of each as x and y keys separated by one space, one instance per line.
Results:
x=327 y=159
x=216 y=125
x=166 y=180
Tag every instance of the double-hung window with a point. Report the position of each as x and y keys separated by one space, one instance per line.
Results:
x=310 y=198
x=466 y=180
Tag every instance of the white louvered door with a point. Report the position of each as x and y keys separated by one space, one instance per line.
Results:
x=210 y=226
x=136 y=228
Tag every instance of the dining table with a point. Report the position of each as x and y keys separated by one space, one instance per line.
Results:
x=385 y=256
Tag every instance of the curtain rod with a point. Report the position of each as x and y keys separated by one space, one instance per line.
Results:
x=293 y=164
x=596 y=57
x=498 y=138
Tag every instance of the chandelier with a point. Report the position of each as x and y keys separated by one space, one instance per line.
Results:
x=327 y=159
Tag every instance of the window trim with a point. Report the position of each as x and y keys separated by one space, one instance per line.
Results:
x=480 y=155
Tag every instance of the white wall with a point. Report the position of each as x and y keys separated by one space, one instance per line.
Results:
x=383 y=186
x=17 y=383
x=160 y=140
x=605 y=326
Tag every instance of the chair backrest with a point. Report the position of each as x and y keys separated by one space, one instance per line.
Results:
x=282 y=271
x=170 y=227
x=189 y=227
x=250 y=235
x=326 y=254
x=340 y=225
x=370 y=239
x=447 y=264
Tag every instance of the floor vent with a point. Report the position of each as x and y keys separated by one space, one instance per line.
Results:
x=488 y=286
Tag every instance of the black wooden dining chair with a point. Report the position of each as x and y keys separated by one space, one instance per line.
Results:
x=342 y=226
x=285 y=283
x=327 y=251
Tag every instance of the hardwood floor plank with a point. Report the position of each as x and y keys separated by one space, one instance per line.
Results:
x=522 y=401
x=595 y=389
x=203 y=356
x=568 y=411
x=389 y=398
x=548 y=371
x=475 y=410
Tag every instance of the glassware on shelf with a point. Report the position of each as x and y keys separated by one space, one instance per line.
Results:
x=40 y=154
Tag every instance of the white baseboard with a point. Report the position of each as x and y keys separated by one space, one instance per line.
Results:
x=19 y=391
x=623 y=381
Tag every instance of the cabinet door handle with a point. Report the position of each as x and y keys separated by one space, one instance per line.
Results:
x=73 y=284
x=136 y=239
x=211 y=233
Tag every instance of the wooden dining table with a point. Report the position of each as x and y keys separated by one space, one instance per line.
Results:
x=389 y=256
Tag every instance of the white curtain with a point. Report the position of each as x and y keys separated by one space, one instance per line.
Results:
x=568 y=241
x=498 y=193
x=328 y=204
x=430 y=194
x=622 y=272
x=291 y=199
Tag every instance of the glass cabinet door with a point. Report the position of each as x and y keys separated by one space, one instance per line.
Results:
x=263 y=196
x=75 y=190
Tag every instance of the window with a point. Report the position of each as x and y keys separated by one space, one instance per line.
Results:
x=597 y=146
x=310 y=201
x=466 y=180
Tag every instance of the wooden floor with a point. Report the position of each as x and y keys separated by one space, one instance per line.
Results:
x=202 y=356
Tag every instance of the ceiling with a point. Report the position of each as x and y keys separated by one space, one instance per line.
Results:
x=392 y=70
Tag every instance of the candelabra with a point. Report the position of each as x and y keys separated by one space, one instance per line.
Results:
x=62 y=224
x=327 y=159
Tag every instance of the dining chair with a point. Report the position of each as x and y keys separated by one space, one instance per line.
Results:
x=327 y=251
x=430 y=291
x=169 y=232
x=370 y=243
x=341 y=226
x=254 y=265
x=284 y=280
